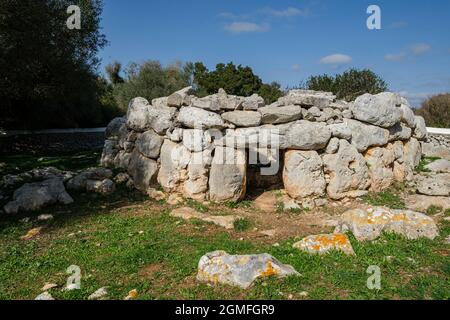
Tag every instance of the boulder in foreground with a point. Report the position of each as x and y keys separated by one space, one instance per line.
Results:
x=218 y=267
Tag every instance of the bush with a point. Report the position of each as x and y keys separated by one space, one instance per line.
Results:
x=348 y=85
x=436 y=111
x=148 y=80
x=236 y=80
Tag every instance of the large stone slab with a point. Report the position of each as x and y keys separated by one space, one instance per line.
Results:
x=228 y=176
x=196 y=118
x=218 y=267
x=308 y=98
x=175 y=158
x=365 y=136
x=186 y=213
x=324 y=243
x=434 y=185
x=346 y=172
x=439 y=166
x=419 y=202
x=303 y=174
x=368 y=224
x=306 y=135
x=380 y=163
x=243 y=118
x=382 y=109
x=34 y=196
x=277 y=115
x=149 y=144
x=143 y=171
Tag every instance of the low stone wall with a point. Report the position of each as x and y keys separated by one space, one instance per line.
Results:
x=52 y=143
x=315 y=145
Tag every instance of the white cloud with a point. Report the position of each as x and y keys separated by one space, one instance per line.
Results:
x=336 y=59
x=245 y=27
x=395 y=57
x=415 y=98
x=420 y=48
x=289 y=12
x=295 y=67
x=398 y=25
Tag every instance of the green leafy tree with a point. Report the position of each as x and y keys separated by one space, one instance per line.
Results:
x=151 y=80
x=348 y=85
x=436 y=111
x=113 y=71
x=237 y=80
x=48 y=72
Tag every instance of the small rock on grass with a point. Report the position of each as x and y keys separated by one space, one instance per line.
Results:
x=45 y=296
x=133 y=294
x=99 y=294
x=32 y=233
x=188 y=213
x=219 y=267
x=45 y=217
x=324 y=243
x=49 y=286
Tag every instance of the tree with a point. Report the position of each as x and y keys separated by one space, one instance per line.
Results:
x=348 y=85
x=113 y=71
x=236 y=80
x=436 y=111
x=48 y=72
x=151 y=80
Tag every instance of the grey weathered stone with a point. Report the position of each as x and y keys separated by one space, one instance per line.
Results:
x=196 y=140
x=306 y=135
x=142 y=170
x=412 y=154
x=160 y=118
x=308 y=98
x=439 y=166
x=346 y=171
x=179 y=98
x=368 y=224
x=109 y=153
x=122 y=160
x=399 y=132
x=341 y=131
x=381 y=110
x=277 y=115
x=434 y=185
x=197 y=118
x=160 y=102
x=34 y=196
x=149 y=144
x=431 y=150
x=380 y=163
x=420 y=131
x=243 y=118
x=186 y=213
x=227 y=179
x=106 y=186
x=218 y=267
x=254 y=102
x=137 y=114
x=333 y=146
x=407 y=114
x=365 y=136
x=324 y=243
x=112 y=130
x=196 y=185
x=303 y=174
x=174 y=159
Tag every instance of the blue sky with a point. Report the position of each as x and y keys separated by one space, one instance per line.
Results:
x=286 y=40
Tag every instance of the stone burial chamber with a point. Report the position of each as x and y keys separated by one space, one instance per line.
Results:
x=221 y=146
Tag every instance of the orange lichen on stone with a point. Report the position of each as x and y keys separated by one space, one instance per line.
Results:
x=270 y=271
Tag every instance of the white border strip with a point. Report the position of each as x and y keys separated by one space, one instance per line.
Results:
x=439 y=131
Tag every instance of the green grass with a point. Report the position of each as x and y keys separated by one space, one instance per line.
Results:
x=388 y=198
x=242 y=225
x=424 y=162
x=200 y=207
x=245 y=204
x=115 y=243
x=432 y=210
x=71 y=162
